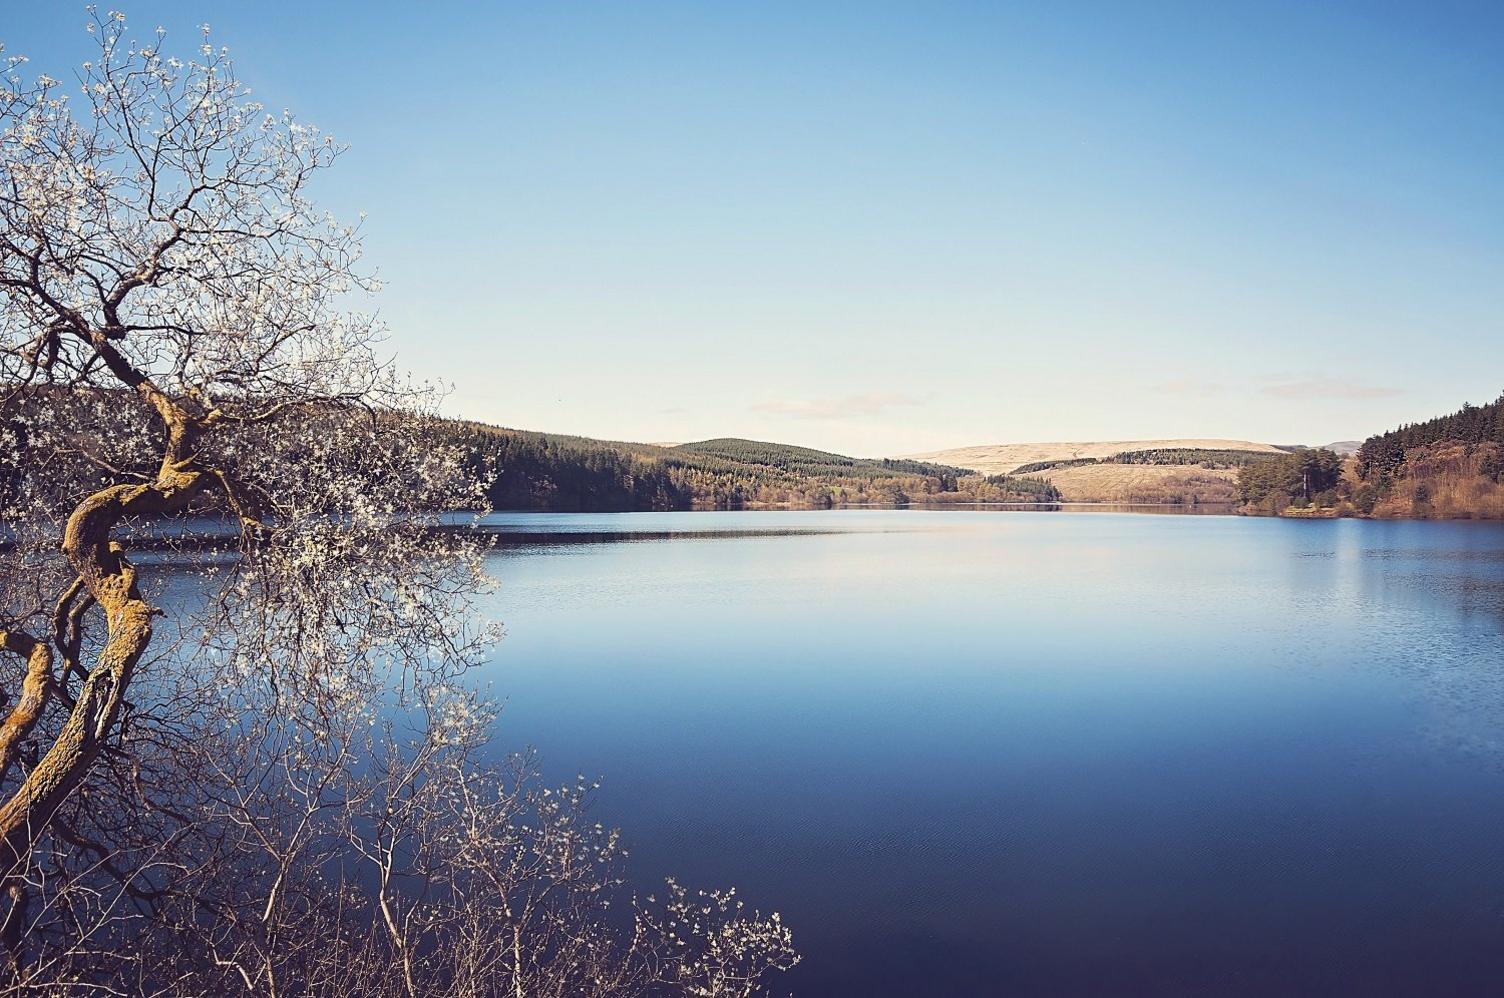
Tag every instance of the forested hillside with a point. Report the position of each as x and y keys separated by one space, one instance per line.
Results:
x=553 y=472
x=1383 y=453
x=804 y=461
x=1449 y=466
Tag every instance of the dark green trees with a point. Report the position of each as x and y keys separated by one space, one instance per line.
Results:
x=1300 y=476
x=1382 y=453
x=541 y=471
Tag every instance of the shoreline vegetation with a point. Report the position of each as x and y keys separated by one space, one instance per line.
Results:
x=558 y=473
x=544 y=472
x=1447 y=468
x=1444 y=468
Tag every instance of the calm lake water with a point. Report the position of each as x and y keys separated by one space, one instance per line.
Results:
x=978 y=753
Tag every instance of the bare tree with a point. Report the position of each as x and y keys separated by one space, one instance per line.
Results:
x=257 y=768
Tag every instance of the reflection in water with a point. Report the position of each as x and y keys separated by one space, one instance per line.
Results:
x=1001 y=753
x=1167 y=509
x=1005 y=753
x=546 y=538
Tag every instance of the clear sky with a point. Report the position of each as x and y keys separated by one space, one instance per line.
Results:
x=883 y=228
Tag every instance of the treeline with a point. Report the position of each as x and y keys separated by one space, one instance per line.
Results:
x=1036 y=489
x=1448 y=467
x=538 y=471
x=1302 y=478
x=1203 y=457
x=812 y=463
x=1068 y=462
x=541 y=471
x=1382 y=454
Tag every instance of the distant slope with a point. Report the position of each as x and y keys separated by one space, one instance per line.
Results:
x=1143 y=483
x=1002 y=459
x=559 y=472
x=566 y=473
x=807 y=461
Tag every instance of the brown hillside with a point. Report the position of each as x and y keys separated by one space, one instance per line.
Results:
x=1001 y=459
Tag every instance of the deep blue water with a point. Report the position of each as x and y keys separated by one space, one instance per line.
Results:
x=976 y=753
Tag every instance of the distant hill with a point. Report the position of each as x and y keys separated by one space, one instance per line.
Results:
x=1004 y=459
x=806 y=461
x=1182 y=470
x=546 y=471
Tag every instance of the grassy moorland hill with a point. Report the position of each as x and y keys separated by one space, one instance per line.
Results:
x=1143 y=483
x=1002 y=459
x=1186 y=470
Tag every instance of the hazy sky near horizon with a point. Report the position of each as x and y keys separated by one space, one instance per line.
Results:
x=885 y=228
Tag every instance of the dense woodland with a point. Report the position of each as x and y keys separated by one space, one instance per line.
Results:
x=1302 y=478
x=1447 y=467
x=1382 y=455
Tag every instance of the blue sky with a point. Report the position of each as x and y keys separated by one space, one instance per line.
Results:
x=882 y=228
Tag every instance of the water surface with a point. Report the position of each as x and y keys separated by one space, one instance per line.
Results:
x=981 y=752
